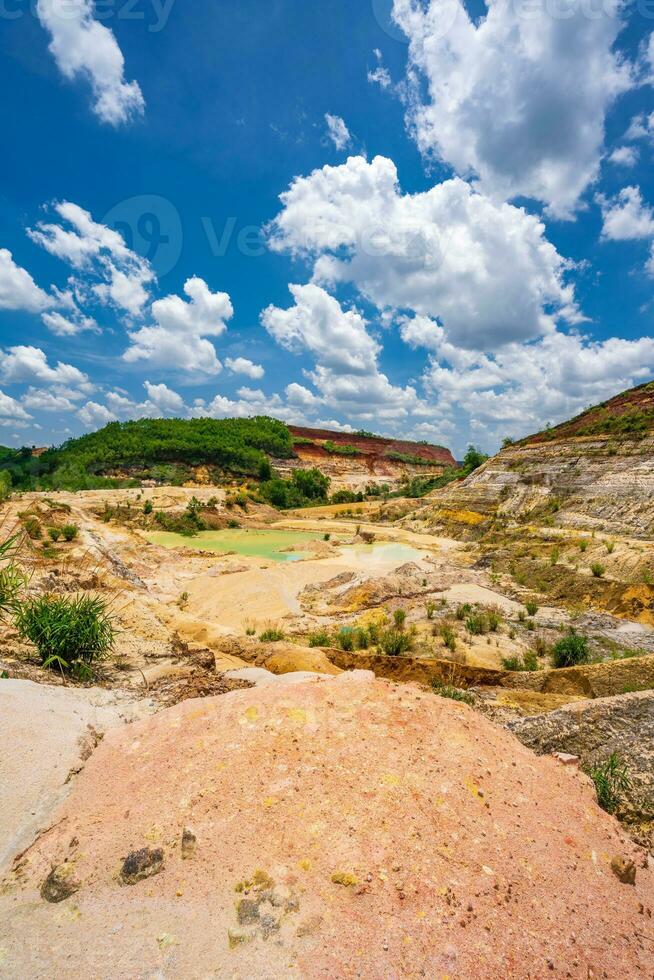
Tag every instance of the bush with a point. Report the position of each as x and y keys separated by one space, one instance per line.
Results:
x=395 y=642
x=272 y=635
x=70 y=532
x=431 y=609
x=33 y=528
x=399 y=618
x=345 y=638
x=463 y=610
x=476 y=624
x=570 y=651
x=320 y=638
x=493 y=618
x=583 y=545
x=610 y=547
x=361 y=638
x=148 y=507
x=54 y=533
x=531 y=607
x=71 y=634
x=530 y=660
x=512 y=663
x=612 y=781
x=597 y=568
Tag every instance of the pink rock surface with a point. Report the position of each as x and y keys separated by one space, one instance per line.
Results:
x=395 y=834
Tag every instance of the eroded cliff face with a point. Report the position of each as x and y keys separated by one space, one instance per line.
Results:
x=353 y=461
x=588 y=483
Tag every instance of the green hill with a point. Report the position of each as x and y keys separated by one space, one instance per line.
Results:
x=165 y=450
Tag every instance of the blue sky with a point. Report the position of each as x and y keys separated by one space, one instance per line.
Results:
x=466 y=220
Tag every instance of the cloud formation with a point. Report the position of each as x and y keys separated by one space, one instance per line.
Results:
x=83 y=47
x=506 y=99
x=485 y=270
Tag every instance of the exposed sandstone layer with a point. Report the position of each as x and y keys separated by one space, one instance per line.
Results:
x=376 y=460
x=589 y=482
x=593 y=730
x=344 y=827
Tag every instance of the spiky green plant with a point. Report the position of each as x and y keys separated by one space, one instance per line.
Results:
x=12 y=577
x=71 y=633
x=612 y=781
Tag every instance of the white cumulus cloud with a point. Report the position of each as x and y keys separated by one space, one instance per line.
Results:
x=18 y=291
x=83 y=47
x=179 y=338
x=241 y=365
x=485 y=270
x=507 y=99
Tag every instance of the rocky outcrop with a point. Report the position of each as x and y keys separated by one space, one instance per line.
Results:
x=344 y=826
x=590 y=482
x=352 y=461
x=593 y=730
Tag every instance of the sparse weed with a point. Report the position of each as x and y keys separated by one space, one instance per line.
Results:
x=272 y=635
x=598 y=569
x=451 y=692
x=531 y=607
x=612 y=781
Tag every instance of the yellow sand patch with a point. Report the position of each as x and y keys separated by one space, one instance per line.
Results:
x=462 y=516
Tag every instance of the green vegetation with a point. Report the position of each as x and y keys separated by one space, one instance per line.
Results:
x=431 y=609
x=395 y=642
x=71 y=634
x=612 y=781
x=571 y=650
x=399 y=618
x=531 y=607
x=476 y=624
x=304 y=488
x=598 y=569
x=70 y=532
x=272 y=635
x=453 y=693
x=160 y=449
x=320 y=638
x=448 y=637
x=341 y=449
x=12 y=578
x=408 y=459
x=5 y=485
x=633 y=421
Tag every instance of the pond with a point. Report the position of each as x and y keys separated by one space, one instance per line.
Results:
x=273 y=544
x=381 y=555
x=258 y=544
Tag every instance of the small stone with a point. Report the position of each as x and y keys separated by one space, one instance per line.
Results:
x=624 y=870
x=238 y=937
x=189 y=844
x=566 y=759
x=60 y=884
x=344 y=878
x=142 y=864
x=247 y=911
